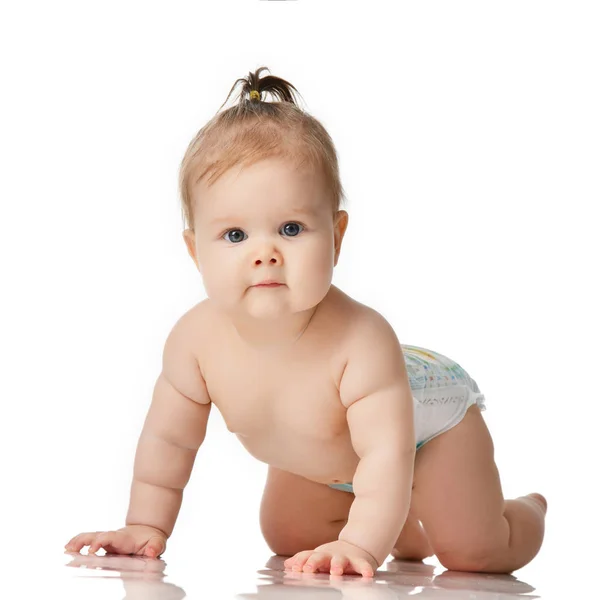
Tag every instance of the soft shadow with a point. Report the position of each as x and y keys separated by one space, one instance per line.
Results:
x=396 y=579
x=143 y=578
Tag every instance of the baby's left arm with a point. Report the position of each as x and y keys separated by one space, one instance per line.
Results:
x=376 y=391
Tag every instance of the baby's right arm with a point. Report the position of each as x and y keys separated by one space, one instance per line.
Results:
x=173 y=431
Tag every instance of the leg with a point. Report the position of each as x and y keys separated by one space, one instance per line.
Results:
x=298 y=514
x=413 y=543
x=458 y=497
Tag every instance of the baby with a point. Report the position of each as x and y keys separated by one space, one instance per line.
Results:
x=373 y=447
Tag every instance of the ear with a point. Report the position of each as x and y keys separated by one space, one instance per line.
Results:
x=190 y=241
x=339 y=227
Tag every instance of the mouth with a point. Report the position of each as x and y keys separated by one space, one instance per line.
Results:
x=269 y=285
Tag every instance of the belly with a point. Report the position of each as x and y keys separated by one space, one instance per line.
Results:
x=324 y=460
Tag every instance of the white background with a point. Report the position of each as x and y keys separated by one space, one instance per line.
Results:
x=468 y=139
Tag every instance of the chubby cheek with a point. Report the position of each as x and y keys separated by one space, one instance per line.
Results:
x=221 y=285
x=308 y=274
x=312 y=279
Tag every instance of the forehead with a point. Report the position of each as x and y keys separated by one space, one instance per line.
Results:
x=265 y=186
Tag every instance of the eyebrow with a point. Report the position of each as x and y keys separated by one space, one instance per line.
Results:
x=296 y=211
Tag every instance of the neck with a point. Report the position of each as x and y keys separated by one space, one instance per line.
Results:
x=273 y=333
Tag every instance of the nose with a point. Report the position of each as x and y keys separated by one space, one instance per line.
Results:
x=273 y=260
x=267 y=253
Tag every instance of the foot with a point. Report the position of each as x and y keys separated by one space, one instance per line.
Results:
x=413 y=543
x=539 y=500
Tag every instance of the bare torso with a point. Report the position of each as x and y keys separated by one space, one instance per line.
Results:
x=284 y=405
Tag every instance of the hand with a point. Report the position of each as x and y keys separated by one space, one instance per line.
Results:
x=337 y=557
x=140 y=540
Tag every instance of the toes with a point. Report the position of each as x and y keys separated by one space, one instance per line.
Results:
x=540 y=500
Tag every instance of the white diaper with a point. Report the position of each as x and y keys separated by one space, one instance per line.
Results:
x=442 y=392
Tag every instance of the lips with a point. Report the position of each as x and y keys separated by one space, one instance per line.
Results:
x=268 y=284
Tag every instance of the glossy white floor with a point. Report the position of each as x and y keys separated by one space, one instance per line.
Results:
x=198 y=575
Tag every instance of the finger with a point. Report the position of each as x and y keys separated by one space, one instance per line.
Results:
x=290 y=561
x=81 y=540
x=299 y=559
x=102 y=540
x=70 y=543
x=362 y=566
x=317 y=560
x=338 y=564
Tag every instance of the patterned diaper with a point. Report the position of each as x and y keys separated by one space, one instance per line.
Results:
x=442 y=393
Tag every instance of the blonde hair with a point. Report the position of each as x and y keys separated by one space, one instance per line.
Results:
x=253 y=130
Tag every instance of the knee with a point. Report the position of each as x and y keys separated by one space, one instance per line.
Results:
x=472 y=554
x=460 y=561
x=285 y=543
x=287 y=539
x=282 y=549
x=457 y=563
x=282 y=539
x=277 y=538
x=280 y=544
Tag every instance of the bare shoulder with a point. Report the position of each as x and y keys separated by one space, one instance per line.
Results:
x=369 y=325
x=374 y=356
x=189 y=326
x=373 y=339
x=180 y=362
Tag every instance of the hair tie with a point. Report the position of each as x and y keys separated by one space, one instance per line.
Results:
x=254 y=95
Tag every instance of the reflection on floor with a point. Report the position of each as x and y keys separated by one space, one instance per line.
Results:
x=147 y=579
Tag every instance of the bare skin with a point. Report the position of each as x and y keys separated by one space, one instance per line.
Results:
x=312 y=383
x=261 y=404
x=309 y=448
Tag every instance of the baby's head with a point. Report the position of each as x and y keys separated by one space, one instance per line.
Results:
x=261 y=198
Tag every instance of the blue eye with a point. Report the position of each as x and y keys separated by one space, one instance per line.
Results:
x=233 y=231
x=291 y=229
x=293 y=226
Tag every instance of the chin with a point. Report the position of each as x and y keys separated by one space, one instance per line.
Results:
x=268 y=311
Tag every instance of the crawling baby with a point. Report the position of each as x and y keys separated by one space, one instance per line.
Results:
x=373 y=447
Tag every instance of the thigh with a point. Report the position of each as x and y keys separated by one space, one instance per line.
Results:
x=457 y=494
x=298 y=514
